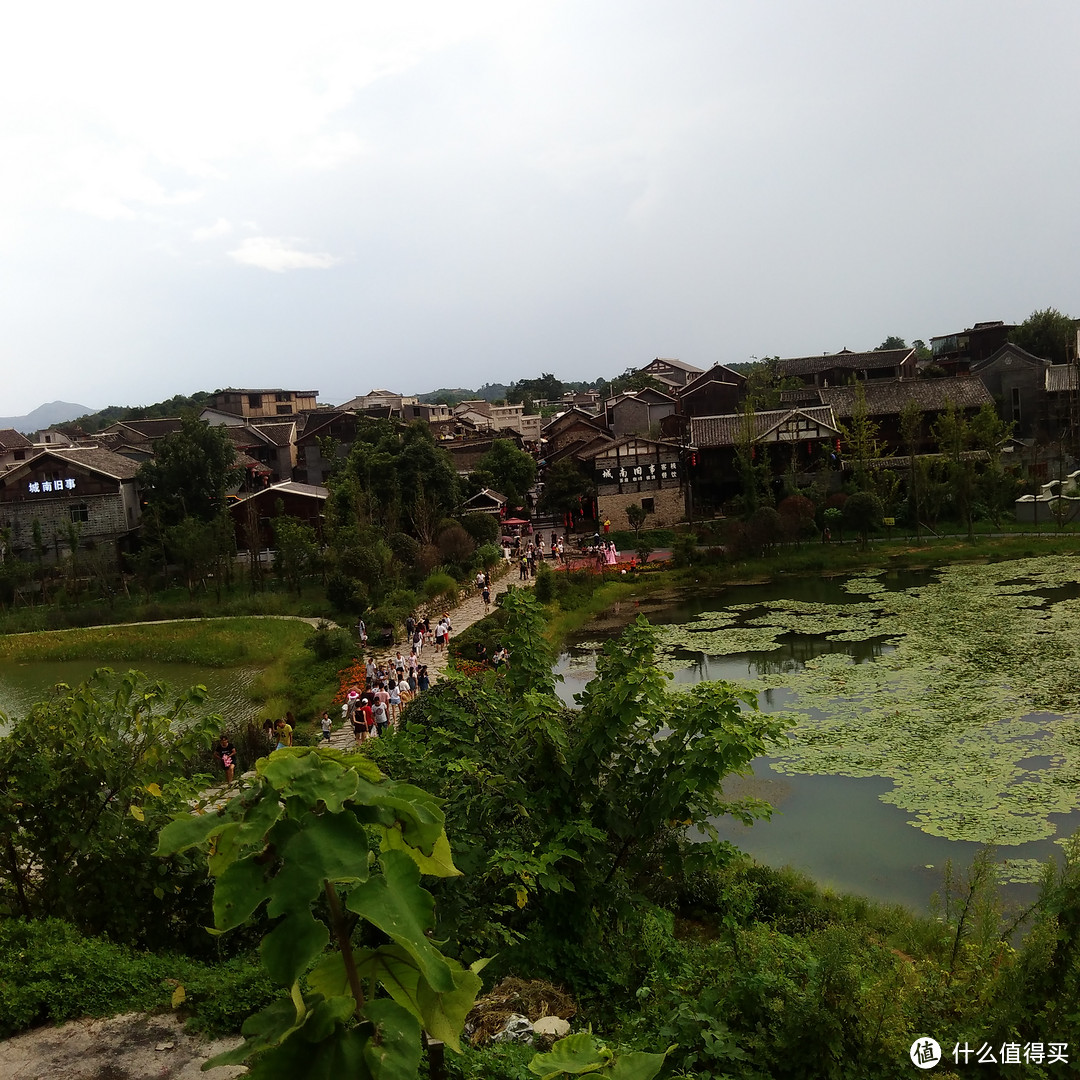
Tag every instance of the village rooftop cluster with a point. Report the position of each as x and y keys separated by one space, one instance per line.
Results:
x=669 y=446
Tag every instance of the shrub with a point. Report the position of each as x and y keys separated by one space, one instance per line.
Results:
x=483 y=528
x=488 y=556
x=327 y=643
x=455 y=544
x=440 y=587
x=347 y=593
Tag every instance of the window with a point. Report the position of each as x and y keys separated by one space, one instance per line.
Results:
x=79 y=513
x=284 y=410
x=283 y=397
x=20 y=455
x=648 y=505
x=254 y=401
x=1016 y=403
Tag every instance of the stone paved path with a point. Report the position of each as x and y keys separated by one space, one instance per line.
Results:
x=469 y=611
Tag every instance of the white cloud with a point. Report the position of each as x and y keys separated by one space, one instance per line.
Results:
x=221 y=227
x=279 y=254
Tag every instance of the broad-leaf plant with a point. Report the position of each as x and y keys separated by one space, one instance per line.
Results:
x=336 y=852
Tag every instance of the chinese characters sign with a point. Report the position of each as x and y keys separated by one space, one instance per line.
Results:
x=630 y=473
x=45 y=487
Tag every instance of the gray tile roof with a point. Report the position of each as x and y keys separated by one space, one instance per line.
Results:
x=672 y=362
x=715 y=431
x=96 y=458
x=887 y=397
x=855 y=361
x=1060 y=378
x=10 y=439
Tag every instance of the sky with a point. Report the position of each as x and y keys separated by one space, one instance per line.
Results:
x=357 y=195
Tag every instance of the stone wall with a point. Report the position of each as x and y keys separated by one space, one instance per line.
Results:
x=669 y=506
x=107 y=519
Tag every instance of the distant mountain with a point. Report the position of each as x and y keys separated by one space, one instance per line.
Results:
x=44 y=416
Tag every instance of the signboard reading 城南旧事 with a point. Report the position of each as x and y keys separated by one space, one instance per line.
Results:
x=48 y=487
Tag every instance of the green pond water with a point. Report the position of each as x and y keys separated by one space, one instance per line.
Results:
x=23 y=684
x=930 y=712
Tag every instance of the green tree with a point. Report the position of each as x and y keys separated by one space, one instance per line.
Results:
x=566 y=487
x=764 y=383
x=507 y=470
x=329 y=844
x=861 y=513
x=861 y=444
x=191 y=472
x=751 y=459
x=953 y=432
x=86 y=779
x=911 y=419
x=636 y=514
x=1047 y=333
x=892 y=342
x=295 y=551
x=559 y=817
x=192 y=544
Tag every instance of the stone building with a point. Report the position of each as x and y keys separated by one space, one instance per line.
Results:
x=643 y=471
x=89 y=487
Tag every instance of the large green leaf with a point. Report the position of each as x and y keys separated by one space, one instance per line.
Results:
x=402 y=910
x=292 y=945
x=242 y=887
x=440 y=863
x=576 y=1054
x=636 y=1066
x=444 y=1013
x=187 y=831
x=310 y=778
x=328 y=847
x=394 y=1052
x=410 y=808
x=263 y=1029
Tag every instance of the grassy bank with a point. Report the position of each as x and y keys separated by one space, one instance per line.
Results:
x=291 y=679
x=215 y=643
x=168 y=604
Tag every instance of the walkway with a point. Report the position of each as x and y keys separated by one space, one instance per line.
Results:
x=470 y=610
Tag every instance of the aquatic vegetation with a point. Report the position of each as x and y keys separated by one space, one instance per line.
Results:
x=974 y=714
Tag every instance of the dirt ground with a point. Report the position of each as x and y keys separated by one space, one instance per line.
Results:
x=135 y=1046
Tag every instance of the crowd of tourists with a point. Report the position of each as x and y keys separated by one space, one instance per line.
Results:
x=389 y=684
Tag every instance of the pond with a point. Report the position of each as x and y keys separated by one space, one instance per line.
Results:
x=23 y=684
x=929 y=712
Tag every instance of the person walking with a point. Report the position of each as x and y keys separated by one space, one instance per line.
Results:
x=326 y=726
x=422 y=680
x=486 y=595
x=225 y=752
x=382 y=721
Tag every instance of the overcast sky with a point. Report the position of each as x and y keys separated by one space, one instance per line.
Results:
x=343 y=196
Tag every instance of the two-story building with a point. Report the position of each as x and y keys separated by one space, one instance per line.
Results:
x=90 y=488
x=264 y=404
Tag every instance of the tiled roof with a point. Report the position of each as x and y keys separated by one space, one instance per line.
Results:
x=713 y=431
x=600 y=447
x=574 y=414
x=710 y=376
x=1060 y=378
x=886 y=397
x=855 y=361
x=154 y=428
x=290 y=487
x=97 y=458
x=279 y=432
x=10 y=439
x=672 y=362
x=1008 y=350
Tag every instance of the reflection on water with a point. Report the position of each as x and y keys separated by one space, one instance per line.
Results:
x=22 y=685
x=835 y=828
